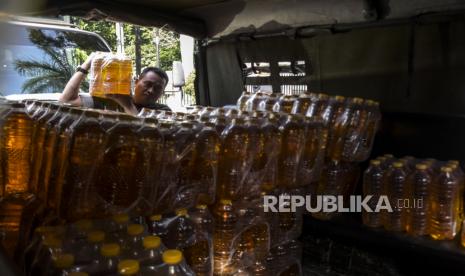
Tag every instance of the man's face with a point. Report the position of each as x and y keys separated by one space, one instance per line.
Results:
x=149 y=88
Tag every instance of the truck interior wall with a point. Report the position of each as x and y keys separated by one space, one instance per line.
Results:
x=416 y=70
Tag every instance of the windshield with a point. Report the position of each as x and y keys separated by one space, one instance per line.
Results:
x=41 y=60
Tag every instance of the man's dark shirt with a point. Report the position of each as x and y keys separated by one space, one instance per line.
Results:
x=157 y=106
x=108 y=104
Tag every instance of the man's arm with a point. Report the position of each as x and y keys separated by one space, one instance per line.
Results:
x=71 y=92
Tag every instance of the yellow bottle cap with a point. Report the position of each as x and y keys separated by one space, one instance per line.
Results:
x=52 y=241
x=63 y=261
x=172 y=256
x=156 y=217
x=95 y=236
x=446 y=169
x=455 y=162
x=110 y=250
x=121 y=218
x=83 y=224
x=44 y=229
x=421 y=166
x=135 y=229
x=80 y=273
x=339 y=98
x=128 y=267
x=397 y=164
x=201 y=206
x=151 y=242
x=226 y=201
x=181 y=212
x=375 y=162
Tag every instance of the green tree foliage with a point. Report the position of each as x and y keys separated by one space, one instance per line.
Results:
x=106 y=29
x=189 y=88
x=49 y=75
x=169 y=47
x=169 y=41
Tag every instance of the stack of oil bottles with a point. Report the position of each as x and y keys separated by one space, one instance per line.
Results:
x=425 y=196
x=350 y=128
x=195 y=180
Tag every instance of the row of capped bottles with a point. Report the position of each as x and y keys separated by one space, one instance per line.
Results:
x=152 y=164
x=117 y=246
x=352 y=122
x=258 y=151
x=225 y=239
x=426 y=196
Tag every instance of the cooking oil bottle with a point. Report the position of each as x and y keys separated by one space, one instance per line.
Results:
x=317 y=106
x=116 y=75
x=220 y=123
x=157 y=226
x=234 y=157
x=302 y=104
x=284 y=104
x=271 y=148
x=117 y=226
x=61 y=264
x=243 y=100
x=180 y=230
x=225 y=222
x=18 y=206
x=254 y=179
x=49 y=150
x=394 y=187
x=29 y=253
x=254 y=101
x=107 y=262
x=373 y=119
x=59 y=162
x=332 y=182
x=269 y=102
x=129 y=267
x=78 y=190
x=198 y=254
x=16 y=150
x=117 y=174
x=445 y=204
x=373 y=185
x=205 y=172
x=174 y=264
x=166 y=190
x=132 y=242
x=149 y=171
x=293 y=141
x=186 y=155
x=339 y=126
x=51 y=247
x=91 y=249
x=418 y=185
x=40 y=136
x=202 y=218
x=356 y=127
x=151 y=255
x=313 y=152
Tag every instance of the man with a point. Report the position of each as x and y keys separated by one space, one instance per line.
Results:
x=149 y=87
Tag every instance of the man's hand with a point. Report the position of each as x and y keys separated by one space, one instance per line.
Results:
x=86 y=65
